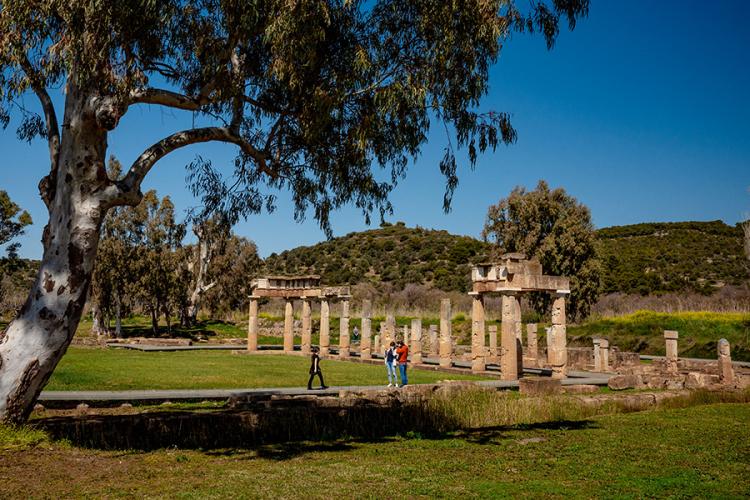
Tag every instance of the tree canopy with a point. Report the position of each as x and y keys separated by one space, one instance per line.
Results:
x=554 y=227
x=313 y=92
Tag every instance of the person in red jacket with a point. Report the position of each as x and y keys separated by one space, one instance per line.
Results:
x=403 y=357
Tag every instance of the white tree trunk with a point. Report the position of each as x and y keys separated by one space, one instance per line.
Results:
x=36 y=340
x=205 y=251
x=118 y=317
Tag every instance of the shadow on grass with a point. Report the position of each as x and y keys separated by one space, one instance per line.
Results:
x=277 y=433
x=205 y=328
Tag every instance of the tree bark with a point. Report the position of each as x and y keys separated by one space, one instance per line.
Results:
x=205 y=252
x=36 y=340
x=118 y=316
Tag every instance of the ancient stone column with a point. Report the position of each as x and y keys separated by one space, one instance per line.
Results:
x=493 y=343
x=344 y=330
x=604 y=352
x=376 y=344
x=519 y=336
x=405 y=334
x=325 y=326
x=365 y=347
x=446 y=341
x=289 y=326
x=306 y=326
x=508 y=345
x=531 y=341
x=416 y=341
x=670 y=341
x=252 y=325
x=726 y=372
x=597 y=356
x=389 y=332
x=559 y=354
x=477 y=334
x=434 y=348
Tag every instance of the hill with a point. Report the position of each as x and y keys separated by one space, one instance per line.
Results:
x=671 y=257
x=648 y=258
x=393 y=253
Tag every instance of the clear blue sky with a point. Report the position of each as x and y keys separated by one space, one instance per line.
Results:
x=642 y=113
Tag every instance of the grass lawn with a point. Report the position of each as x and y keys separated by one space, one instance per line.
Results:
x=122 y=369
x=702 y=451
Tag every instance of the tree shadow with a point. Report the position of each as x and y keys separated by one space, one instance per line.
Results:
x=276 y=432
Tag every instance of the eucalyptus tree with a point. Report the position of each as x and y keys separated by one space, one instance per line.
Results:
x=212 y=233
x=325 y=99
x=554 y=227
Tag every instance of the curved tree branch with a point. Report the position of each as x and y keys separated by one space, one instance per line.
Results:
x=127 y=190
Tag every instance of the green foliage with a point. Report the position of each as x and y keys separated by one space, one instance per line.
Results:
x=555 y=228
x=394 y=254
x=655 y=258
x=13 y=220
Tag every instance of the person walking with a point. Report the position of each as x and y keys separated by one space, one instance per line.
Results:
x=403 y=357
x=315 y=370
x=390 y=363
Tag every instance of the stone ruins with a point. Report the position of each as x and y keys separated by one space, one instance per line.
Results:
x=306 y=289
x=513 y=276
x=510 y=277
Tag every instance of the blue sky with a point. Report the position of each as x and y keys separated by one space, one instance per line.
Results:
x=642 y=113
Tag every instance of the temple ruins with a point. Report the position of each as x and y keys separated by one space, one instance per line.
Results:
x=511 y=277
x=307 y=289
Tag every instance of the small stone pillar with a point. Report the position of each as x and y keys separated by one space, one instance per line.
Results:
x=519 y=336
x=325 y=326
x=416 y=341
x=559 y=352
x=508 y=344
x=532 y=348
x=344 y=330
x=306 y=326
x=434 y=350
x=252 y=325
x=376 y=344
x=477 y=334
x=597 y=356
x=289 y=326
x=405 y=334
x=446 y=340
x=726 y=372
x=365 y=347
x=670 y=341
x=493 y=343
x=604 y=352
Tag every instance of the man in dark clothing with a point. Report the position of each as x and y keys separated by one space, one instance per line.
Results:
x=315 y=370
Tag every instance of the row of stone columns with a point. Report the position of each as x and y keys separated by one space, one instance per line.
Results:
x=325 y=335
x=510 y=355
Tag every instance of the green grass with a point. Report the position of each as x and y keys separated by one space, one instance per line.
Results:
x=701 y=451
x=121 y=369
x=643 y=332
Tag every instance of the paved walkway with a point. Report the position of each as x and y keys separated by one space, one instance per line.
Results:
x=191 y=395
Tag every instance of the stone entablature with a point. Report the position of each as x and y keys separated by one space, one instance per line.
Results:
x=514 y=273
x=296 y=287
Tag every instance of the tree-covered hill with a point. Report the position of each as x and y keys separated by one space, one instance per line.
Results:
x=668 y=257
x=641 y=258
x=392 y=253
